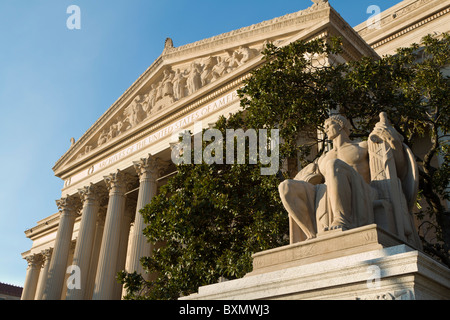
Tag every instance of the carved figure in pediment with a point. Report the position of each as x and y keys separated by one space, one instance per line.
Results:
x=164 y=91
x=355 y=184
x=207 y=73
x=145 y=106
x=246 y=54
x=120 y=126
x=233 y=59
x=138 y=114
x=112 y=133
x=179 y=85
x=134 y=113
x=221 y=68
x=87 y=149
x=194 y=81
x=103 y=138
x=151 y=99
x=159 y=91
x=264 y=45
x=167 y=85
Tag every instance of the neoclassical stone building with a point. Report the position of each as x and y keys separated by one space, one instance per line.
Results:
x=116 y=167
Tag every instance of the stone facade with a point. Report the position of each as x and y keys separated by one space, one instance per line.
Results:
x=116 y=167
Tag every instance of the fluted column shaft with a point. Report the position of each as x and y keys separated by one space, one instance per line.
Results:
x=100 y=224
x=34 y=266
x=58 y=263
x=148 y=170
x=107 y=262
x=69 y=273
x=86 y=235
x=43 y=276
x=123 y=246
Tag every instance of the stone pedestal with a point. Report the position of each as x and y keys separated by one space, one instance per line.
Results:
x=363 y=263
x=328 y=245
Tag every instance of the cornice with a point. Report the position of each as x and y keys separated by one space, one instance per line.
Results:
x=352 y=36
x=252 y=31
x=411 y=28
x=402 y=18
x=43 y=224
x=46 y=226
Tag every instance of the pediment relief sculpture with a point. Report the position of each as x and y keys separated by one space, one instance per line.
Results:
x=355 y=184
x=172 y=86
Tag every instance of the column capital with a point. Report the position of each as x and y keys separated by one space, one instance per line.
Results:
x=47 y=253
x=34 y=260
x=67 y=204
x=91 y=193
x=68 y=207
x=150 y=167
x=118 y=181
x=33 y=270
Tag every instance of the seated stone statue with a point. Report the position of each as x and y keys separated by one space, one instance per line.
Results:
x=355 y=184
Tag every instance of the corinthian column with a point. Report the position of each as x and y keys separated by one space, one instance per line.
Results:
x=58 y=263
x=46 y=255
x=100 y=224
x=107 y=262
x=91 y=203
x=148 y=170
x=34 y=266
x=123 y=246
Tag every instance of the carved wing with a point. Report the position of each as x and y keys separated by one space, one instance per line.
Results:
x=384 y=179
x=400 y=194
x=411 y=182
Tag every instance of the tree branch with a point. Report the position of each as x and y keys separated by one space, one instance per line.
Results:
x=431 y=249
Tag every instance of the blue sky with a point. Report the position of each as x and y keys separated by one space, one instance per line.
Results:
x=55 y=83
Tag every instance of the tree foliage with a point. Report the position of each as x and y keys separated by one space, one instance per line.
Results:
x=211 y=218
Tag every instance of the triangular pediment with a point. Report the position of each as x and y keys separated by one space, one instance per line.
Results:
x=182 y=74
x=171 y=83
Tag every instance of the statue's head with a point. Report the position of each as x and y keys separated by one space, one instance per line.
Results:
x=340 y=120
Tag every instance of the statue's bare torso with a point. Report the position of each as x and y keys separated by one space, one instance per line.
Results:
x=354 y=154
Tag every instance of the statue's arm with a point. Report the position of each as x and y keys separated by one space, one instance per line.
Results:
x=311 y=174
